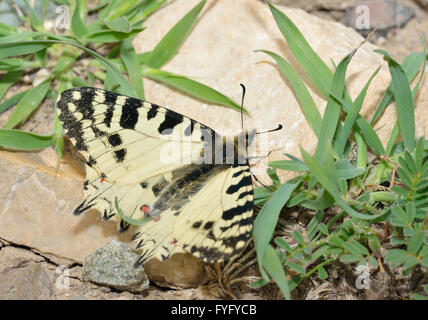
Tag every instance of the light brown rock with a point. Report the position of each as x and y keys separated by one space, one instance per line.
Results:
x=36 y=207
x=11 y=257
x=28 y=282
x=220 y=53
x=180 y=270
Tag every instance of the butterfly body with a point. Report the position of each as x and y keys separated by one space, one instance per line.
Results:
x=194 y=184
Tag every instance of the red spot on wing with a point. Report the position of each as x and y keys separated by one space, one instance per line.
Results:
x=102 y=180
x=145 y=209
x=156 y=218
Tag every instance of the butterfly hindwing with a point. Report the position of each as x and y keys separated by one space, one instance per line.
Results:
x=203 y=208
x=218 y=221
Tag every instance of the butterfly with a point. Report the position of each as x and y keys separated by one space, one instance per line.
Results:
x=192 y=186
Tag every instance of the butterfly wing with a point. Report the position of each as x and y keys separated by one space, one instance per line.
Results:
x=114 y=133
x=122 y=140
x=218 y=221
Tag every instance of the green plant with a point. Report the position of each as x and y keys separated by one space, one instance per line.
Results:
x=119 y=67
x=342 y=189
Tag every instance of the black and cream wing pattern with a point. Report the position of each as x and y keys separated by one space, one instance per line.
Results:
x=153 y=162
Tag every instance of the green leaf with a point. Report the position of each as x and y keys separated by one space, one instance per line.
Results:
x=7 y=80
x=296 y=267
x=404 y=101
x=108 y=36
x=289 y=165
x=373 y=262
x=120 y=24
x=328 y=183
x=323 y=202
x=374 y=243
x=323 y=228
x=345 y=169
x=28 y=104
x=23 y=141
x=417 y=296
x=351 y=117
x=317 y=70
x=6 y=29
x=35 y=22
x=410 y=65
x=77 y=24
x=322 y=274
x=298 y=237
x=282 y=243
x=273 y=176
x=306 y=102
x=274 y=267
x=330 y=121
x=130 y=59
x=416 y=242
x=191 y=87
x=19 y=48
x=168 y=46
x=58 y=140
x=267 y=218
x=12 y=101
x=395 y=257
x=349 y=258
x=365 y=129
x=355 y=248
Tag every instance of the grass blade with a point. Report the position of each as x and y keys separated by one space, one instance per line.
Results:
x=268 y=217
x=328 y=183
x=23 y=141
x=7 y=81
x=130 y=60
x=306 y=102
x=331 y=122
x=316 y=69
x=351 y=117
x=274 y=267
x=77 y=24
x=191 y=87
x=20 y=48
x=410 y=65
x=12 y=101
x=168 y=46
x=404 y=101
x=28 y=104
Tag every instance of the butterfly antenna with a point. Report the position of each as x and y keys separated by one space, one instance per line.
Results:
x=272 y=130
x=257 y=179
x=242 y=106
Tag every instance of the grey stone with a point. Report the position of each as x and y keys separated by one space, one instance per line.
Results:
x=381 y=14
x=113 y=266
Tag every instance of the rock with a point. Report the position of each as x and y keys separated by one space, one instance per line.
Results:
x=11 y=257
x=181 y=270
x=113 y=266
x=423 y=3
x=28 y=282
x=381 y=14
x=36 y=207
x=222 y=57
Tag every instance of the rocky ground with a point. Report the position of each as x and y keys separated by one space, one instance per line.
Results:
x=43 y=247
